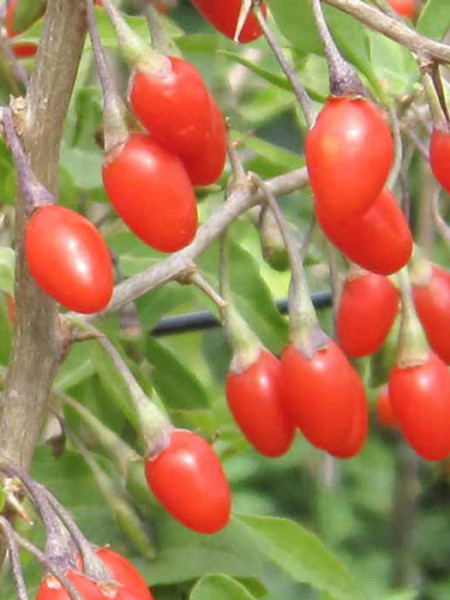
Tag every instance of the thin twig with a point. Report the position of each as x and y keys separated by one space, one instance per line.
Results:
x=300 y=93
x=14 y=559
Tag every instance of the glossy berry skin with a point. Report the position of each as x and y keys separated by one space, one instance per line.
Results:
x=321 y=394
x=132 y=585
x=405 y=8
x=420 y=398
x=440 y=157
x=223 y=16
x=176 y=108
x=432 y=302
x=188 y=479
x=367 y=311
x=380 y=240
x=356 y=439
x=206 y=167
x=26 y=50
x=150 y=190
x=69 y=259
x=254 y=398
x=349 y=153
x=385 y=412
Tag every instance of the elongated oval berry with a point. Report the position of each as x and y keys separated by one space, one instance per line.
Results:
x=367 y=311
x=206 y=167
x=188 y=479
x=176 y=107
x=420 y=397
x=440 y=156
x=255 y=399
x=321 y=394
x=380 y=240
x=385 y=412
x=131 y=584
x=69 y=259
x=349 y=153
x=150 y=190
x=356 y=439
x=432 y=300
x=224 y=15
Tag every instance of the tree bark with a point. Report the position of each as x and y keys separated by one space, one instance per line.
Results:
x=37 y=347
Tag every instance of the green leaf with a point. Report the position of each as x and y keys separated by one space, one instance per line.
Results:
x=434 y=19
x=393 y=64
x=77 y=367
x=302 y=555
x=7 y=263
x=178 y=387
x=219 y=587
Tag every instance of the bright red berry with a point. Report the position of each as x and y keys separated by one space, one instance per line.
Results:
x=440 y=157
x=321 y=394
x=432 y=300
x=420 y=397
x=385 y=412
x=130 y=583
x=206 y=167
x=150 y=190
x=349 y=153
x=254 y=398
x=69 y=259
x=224 y=15
x=175 y=107
x=133 y=585
x=188 y=479
x=380 y=240
x=367 y=311
x=356 y=439
x=405 y=8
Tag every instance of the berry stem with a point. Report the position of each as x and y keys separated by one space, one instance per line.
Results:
x=300 y=93
x=161 y=40
x=136 y=52
x=344 y=80
x=14 y=559
x=192 y=276
x=435 y=95
x=35 y=194
x=115 y=129
x=305 y=330
x=113 y=445
x=413 y=349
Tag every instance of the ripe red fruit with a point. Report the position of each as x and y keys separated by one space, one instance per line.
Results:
x=380 y=240
x=206 y=167
x=150 y=190
x=420 y=397
x=188 y=479
x=224 y=15
x=385 y=412
x=175 y=108
x=349 y=153
x=321 y=394
x=27 y=50
x=134 y=586
x=356 y=439
x=369 y=305
x=254 y=398
x=69 y=259
x=405 y=8
x=432 y=300
x=131 y=584
x=440 y=157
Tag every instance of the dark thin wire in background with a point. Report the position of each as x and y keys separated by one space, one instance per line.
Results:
x=197 y=321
